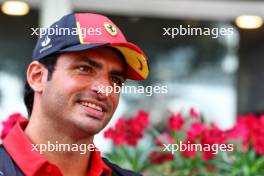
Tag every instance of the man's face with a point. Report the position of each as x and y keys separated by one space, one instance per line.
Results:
x=72 y=97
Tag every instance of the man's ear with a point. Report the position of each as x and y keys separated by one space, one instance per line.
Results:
x=36 y=76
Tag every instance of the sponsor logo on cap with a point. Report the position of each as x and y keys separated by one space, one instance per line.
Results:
x=46 y=41
x=45 y=44
x=110 y=28
x=141 y=64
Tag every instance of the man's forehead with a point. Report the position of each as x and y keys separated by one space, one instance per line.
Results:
x=98 y=55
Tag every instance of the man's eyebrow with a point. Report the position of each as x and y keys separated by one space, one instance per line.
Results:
x=91 y=62
x=100 y=66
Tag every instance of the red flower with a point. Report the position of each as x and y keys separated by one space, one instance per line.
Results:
x=196 y=130
x=158 y=157
x=249 y=128
x=258 y=145
x=194 y=113
x=142 y=118
x=211 y=140
x=253 y=124
x=118 y=137
x=189 y=152
x=128 y=131
x=10 y=122
x=175 y=122
x=258 y=135
x=240 y=132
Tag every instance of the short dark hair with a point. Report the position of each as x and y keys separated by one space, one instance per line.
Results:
x=49 y=62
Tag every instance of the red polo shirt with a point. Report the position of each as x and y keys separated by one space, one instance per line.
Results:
x=32 y=163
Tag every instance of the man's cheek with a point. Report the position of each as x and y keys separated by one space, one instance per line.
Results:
x=113 y=101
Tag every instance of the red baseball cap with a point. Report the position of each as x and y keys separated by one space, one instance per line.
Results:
x=82 y=31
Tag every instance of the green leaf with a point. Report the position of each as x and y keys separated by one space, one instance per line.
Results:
x=258 y=165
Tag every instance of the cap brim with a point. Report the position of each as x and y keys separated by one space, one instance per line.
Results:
x=135 y=58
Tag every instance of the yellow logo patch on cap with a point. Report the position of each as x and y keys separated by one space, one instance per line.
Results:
x=110 y=28
x=135 y=60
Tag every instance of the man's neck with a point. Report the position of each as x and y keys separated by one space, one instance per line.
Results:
x=71 y=162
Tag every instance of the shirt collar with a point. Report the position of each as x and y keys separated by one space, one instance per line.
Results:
x=98 y=167
x=19 y=147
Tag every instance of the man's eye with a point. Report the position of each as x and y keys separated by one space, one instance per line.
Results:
x=85 y=68
x=118 y=81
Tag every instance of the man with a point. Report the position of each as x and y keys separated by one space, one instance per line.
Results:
x=66 y=101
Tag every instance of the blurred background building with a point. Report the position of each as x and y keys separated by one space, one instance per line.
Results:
x=220 y=76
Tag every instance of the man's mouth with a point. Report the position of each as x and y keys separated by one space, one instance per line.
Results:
x=92 y=105
x=94 y=108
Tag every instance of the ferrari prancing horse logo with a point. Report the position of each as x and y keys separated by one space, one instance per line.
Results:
x=110 y=28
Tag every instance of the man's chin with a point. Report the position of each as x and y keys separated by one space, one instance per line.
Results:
x=91 y=128
x=88 y=125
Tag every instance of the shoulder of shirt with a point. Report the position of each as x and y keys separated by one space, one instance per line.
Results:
x=118 y=171
x=8 y=164
x=4 y=157
x=7 y=167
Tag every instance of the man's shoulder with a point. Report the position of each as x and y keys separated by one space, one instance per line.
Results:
x=118 y=171
x=7 y=166
x=4 y=157
x=3 y=154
